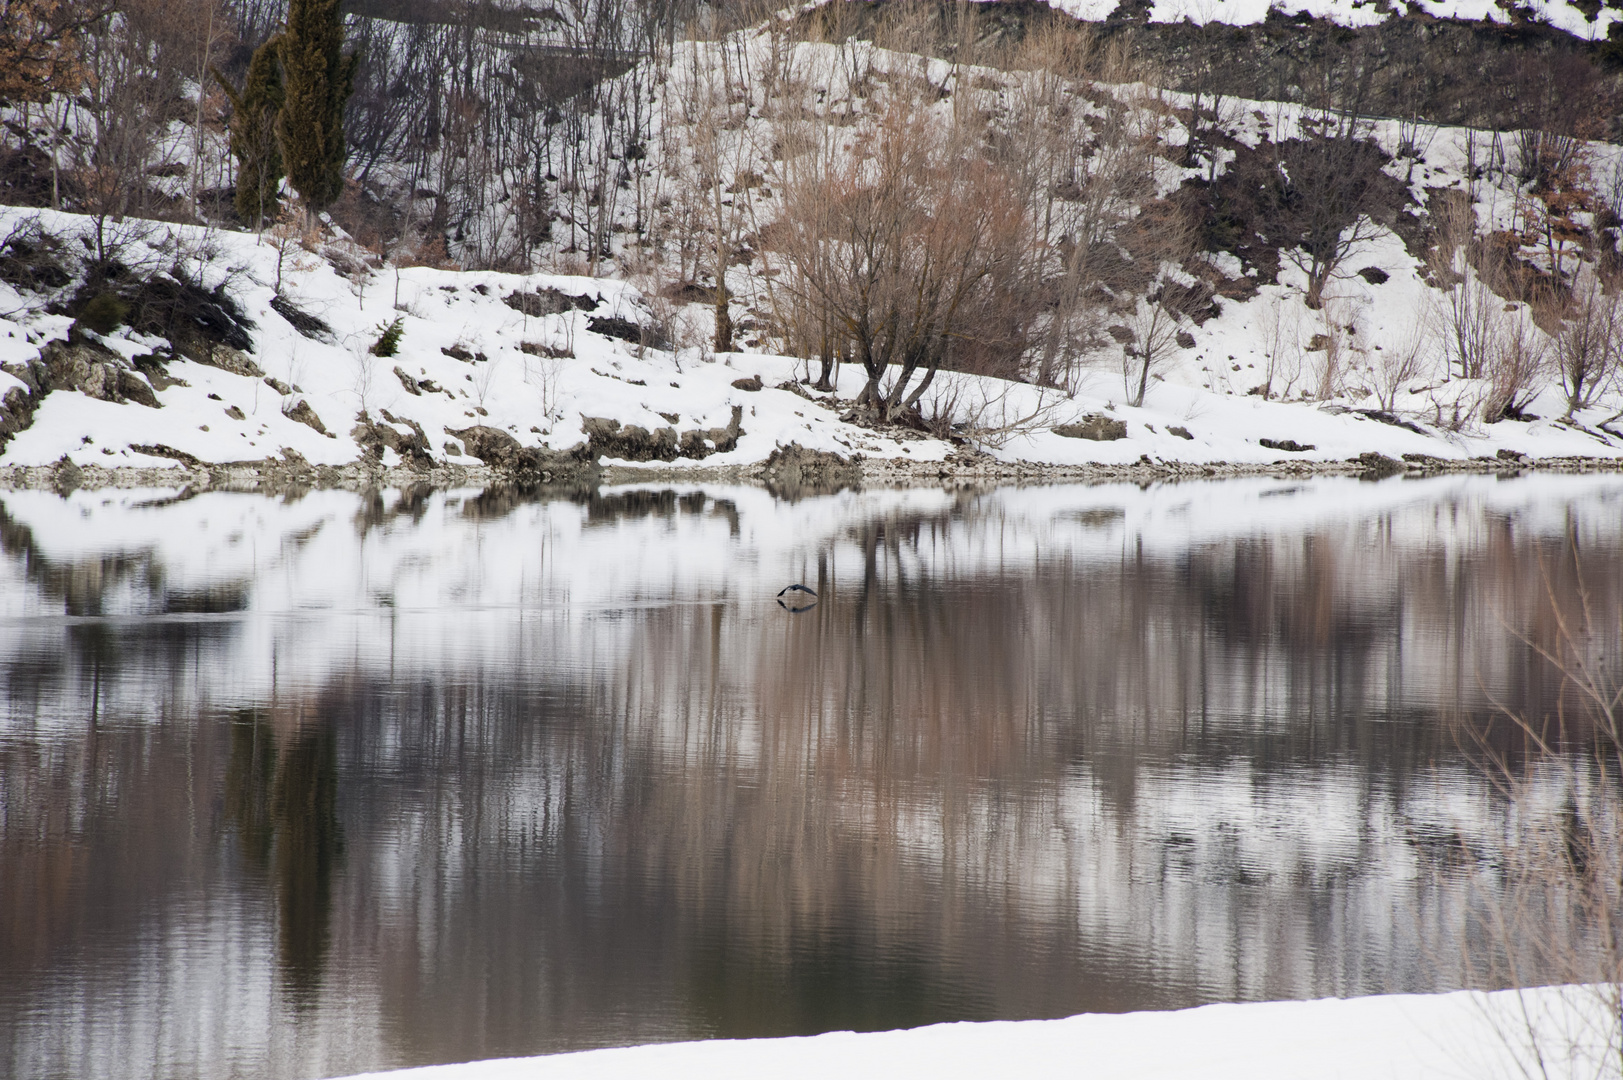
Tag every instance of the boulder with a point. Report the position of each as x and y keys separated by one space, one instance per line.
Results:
x=1095 y=427
x=304 y=414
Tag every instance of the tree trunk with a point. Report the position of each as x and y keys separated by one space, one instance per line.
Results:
x=724 y=318
x=1143 y=378
x=826 y=355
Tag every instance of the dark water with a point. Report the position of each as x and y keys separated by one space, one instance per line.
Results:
x=306 y=786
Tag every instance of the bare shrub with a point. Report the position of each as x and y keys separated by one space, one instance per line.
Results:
x=1518 y=358
x=1282 y=340
x=1153 y=327
x=908 y=239
x=1588 y=347
x=987 y=412
x=541 y=370
x=1552 y=887
x=1397 y=365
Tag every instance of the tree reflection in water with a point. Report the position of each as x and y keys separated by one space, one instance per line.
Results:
x=437 y=777
x=282 y=804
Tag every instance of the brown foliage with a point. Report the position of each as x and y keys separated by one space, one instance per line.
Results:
x=39 y=46
x=910 y=243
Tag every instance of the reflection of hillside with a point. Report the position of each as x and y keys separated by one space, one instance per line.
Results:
x=1001 y=769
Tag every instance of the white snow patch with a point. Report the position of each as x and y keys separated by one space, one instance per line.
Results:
x=1466 y=1033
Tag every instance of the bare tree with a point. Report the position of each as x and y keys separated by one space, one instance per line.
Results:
x=898 y=237
x=1398 y=364
x=1589 y=346
x=1323 y=194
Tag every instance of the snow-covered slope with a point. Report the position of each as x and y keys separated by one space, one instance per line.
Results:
x=1589 y=22
x=470 y=357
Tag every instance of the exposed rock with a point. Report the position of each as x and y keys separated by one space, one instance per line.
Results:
x=1180 y=432
x=1290 y=445
x=615 y=327
x=235 y=361
x=18 y=405
x=66 y=476
x=608 y=438
x=493 y=446
x=132 y=387
x=752 y=384
x=1376 y=465
x=1511 y=455
x=91 y=369
x=794 y=470
x=235 y=413
x=304 y=414
x=278 y=385
x=500 y=450
x=1392 y=418
x=160 y=450
x=549 y=302
x=1094 y=426
x=408 y=382
x=633 y=443
x=306 y=324
x=155 y=369
x=411 y=445
x=725 y=439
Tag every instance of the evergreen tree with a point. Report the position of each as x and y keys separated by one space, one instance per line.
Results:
x=317 y=79
x=254 y=110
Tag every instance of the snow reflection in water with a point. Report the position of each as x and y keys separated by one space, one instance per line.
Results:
x=322 y=784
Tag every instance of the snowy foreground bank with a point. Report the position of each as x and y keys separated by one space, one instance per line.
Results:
x=496 y=369
x=1565 y=1032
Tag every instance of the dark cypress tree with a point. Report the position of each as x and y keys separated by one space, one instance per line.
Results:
x=317 y=79
x=253 y=135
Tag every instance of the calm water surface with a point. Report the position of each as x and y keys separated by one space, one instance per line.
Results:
x=305 y=786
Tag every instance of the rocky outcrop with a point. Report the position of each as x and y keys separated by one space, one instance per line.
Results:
x=1095 y=427
x=531 y=464
x=549 y=302
x=794 y=470
x=304 y=414
x=91 y=369
x=607 y=438
x=375 y=436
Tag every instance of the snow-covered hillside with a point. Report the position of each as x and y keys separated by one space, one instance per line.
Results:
x=546 y=374
x=475 y=371
x=1589 y=22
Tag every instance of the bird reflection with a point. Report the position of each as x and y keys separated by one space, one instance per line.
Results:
x=796 y=598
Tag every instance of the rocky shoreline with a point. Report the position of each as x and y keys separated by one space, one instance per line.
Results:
x=790 y=469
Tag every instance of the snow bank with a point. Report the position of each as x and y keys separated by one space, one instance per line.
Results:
x=1417 y=1036
x=472 y=357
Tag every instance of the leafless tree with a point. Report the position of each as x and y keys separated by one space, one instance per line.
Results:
x=1324 y=195
x=1398 y=364
x=898 y=237
x=1589 y=346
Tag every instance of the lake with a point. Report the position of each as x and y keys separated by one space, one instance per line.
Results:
x=306 y=785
